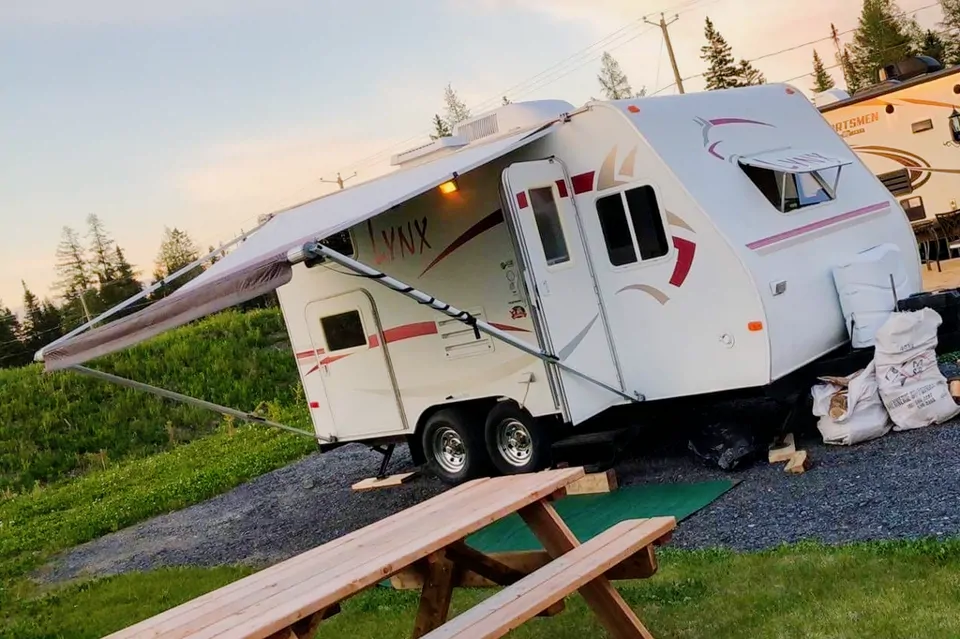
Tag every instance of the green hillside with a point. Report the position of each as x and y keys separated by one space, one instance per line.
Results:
x=61 y=424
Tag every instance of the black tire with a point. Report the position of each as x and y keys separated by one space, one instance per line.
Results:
x=463 y=435
x=526 y=449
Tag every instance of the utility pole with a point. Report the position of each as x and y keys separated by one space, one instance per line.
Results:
x=663 y=24
x=836 y=43
x=339 y=181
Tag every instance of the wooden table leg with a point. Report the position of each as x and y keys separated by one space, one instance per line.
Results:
x=610 y=608
x=307 y=627
x=436 y=594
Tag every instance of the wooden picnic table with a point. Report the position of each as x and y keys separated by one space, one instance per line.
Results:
x=290 y=599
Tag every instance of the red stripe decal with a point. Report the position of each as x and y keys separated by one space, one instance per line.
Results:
x=685 y=252
x=507 y=327
x=816 y=226
x=562 y=188
x=582 y=183
x=314 y=404
x=485 y=224
x=522 y=199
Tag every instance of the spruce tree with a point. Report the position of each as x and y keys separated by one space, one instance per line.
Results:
x=41 y=322
x=950 y=25
x=124 y=284
x=440 y=128
x=748 y=76
x=821 y=78
x=456 y=110
x=80 y=301
x=613 y=81
x=177 y=250
x=854 y=82
x=13 y=351
x=883 y=36
x=505 y=101
x=722 y=71
x=933 y=45
x=101 y=251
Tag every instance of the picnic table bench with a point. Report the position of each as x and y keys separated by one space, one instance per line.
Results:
x=290 y=599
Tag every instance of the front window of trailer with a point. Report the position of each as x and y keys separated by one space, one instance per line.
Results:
x=791 y=191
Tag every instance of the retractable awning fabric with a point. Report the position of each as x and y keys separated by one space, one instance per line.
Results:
x=793 y=161
x=260 y=265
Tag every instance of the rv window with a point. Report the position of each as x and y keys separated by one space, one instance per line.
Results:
x=548 y=224
x=343 y=331
x=647 y=222
x=791 y=191
x=643 y=234
x=616 y=230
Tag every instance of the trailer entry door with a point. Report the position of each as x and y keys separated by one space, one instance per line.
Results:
x=560 y=282
x=352 y=379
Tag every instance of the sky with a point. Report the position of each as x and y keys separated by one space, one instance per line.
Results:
x=204 y=114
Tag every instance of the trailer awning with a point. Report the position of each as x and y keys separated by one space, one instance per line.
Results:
x=260 y=265
x=793 y=161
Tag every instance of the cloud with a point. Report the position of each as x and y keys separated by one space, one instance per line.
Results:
x=95 y=12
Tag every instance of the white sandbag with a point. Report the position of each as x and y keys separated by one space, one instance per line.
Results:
x=866 y=296
x=865 y=417
x=912 y=387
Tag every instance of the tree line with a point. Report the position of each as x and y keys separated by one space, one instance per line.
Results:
x=93 y=275
x=885 y=34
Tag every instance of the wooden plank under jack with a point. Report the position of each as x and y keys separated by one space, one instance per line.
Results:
x=594 y=483
x=799 y=463
x=784 y=451
x=371 y=483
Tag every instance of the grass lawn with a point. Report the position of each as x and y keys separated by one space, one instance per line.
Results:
x=886 y=590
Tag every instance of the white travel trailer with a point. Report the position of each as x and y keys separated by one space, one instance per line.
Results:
x=907 y=131
x=622 y=252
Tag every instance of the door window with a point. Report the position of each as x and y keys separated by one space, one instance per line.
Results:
x=547 y=216
x=632 y=225
x=343 y=331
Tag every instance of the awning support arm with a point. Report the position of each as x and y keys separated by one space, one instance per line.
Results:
x=186 y=399
x=314 y=251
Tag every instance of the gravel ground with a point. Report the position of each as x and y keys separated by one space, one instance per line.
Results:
x=901 y=486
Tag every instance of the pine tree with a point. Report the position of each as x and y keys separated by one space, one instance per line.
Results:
x=505 y=101
x=933 y=45
x=13 y=352
x=456 y=110
x=951 y=26
x=177 y=250
x=41 y=323
x=440 y=128
x=80 y=301
x=101 y=251
x=883 y=36
x=722 y=71
x=124 y=284
x=613 y=81
x=821 y=78
x=748 y=76
x=854 y=83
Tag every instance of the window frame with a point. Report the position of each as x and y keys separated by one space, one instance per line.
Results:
x=351 y=349
x=555 y=194
x=830 y=190
x=668 y=236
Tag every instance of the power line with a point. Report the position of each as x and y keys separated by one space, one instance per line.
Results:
x=806 y=44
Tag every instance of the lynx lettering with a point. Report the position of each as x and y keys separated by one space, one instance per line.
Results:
x=398 y=241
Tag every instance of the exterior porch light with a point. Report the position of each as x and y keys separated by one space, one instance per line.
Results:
x=451 y=186
x=955 y=125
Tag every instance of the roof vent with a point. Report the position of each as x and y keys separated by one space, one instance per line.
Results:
x=515 y=116
x=910 y=68
x=428 y=152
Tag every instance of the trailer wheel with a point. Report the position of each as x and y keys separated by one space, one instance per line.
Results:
x=516 y=441
x=454 y=447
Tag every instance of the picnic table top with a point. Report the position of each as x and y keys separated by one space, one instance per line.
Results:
x=274 y=598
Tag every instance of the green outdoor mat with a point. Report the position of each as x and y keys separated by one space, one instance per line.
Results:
x=589 y=515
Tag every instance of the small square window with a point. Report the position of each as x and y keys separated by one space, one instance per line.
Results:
x=343 y=331
x=549 y=226
x=642 y=233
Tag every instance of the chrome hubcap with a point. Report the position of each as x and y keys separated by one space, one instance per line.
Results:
x=514 y=442
x=448 y=450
